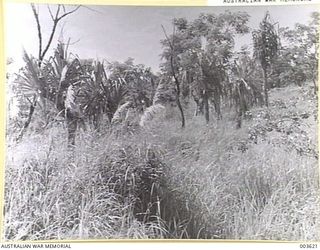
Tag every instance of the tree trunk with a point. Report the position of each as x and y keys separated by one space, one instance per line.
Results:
x=315 y=84
x=241 y=110
x=217 y=105
x=265 y=87
x=181 y=110
x=27 y=123
x=97 y=121
x=177 y=93
x=199 y=105
x=239 y=118
x=72 y=128
x=175 y=78
x=206 y=106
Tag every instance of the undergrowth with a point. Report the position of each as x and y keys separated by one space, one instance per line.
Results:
x=208 y=182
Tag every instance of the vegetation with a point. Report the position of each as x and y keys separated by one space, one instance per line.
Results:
x=265 y=47
x=117 y=164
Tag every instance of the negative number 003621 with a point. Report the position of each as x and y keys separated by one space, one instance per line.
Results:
x=308 y=245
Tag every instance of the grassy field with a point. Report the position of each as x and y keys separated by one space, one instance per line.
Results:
x=158 y=181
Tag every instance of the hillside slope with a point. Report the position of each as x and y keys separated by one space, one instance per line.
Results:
x=258 y=182
x=161 y=181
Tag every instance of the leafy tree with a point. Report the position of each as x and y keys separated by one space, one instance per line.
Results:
x=266 y=45
x=203 y=49
x=301 y=47
x=242 y=84
x=172 y=47
x=217 y=33
x=282 y=71
x=134 y=83
x=138 y=80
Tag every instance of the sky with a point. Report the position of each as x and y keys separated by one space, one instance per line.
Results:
x=115 y=33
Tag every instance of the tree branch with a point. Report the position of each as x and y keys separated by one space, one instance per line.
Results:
x=55 y=23
x=36 y=15
x=50 y=13
x=50 y=39
x=165 y=33
x=58 y=11
x=68 y=13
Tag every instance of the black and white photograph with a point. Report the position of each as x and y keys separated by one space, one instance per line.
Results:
x=161 y=122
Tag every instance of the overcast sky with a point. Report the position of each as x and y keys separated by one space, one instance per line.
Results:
x=116 y=33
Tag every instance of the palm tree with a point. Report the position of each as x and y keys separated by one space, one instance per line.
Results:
x=266 y=44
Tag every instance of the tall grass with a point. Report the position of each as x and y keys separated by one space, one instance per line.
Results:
x=161 y=182
x=52 y=193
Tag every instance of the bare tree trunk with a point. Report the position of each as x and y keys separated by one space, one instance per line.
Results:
x=205 y=96
x=199 y=107
x=206 y=106
x=28 y=121
x=217 y=105
x=183 y=123
x=265 y=87
x=241 y=109
x=72 y=128
x=315 y=84
x=239 y=118
x=199 y=103
x=178 y=96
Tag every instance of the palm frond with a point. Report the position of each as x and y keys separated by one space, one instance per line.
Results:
x=150 y=113
x=31 y=79
x=70 y=102
x=159 y=96
x=121 y=113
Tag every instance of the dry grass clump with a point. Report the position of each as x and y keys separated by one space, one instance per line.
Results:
x=150 y=113
x=98 y=191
